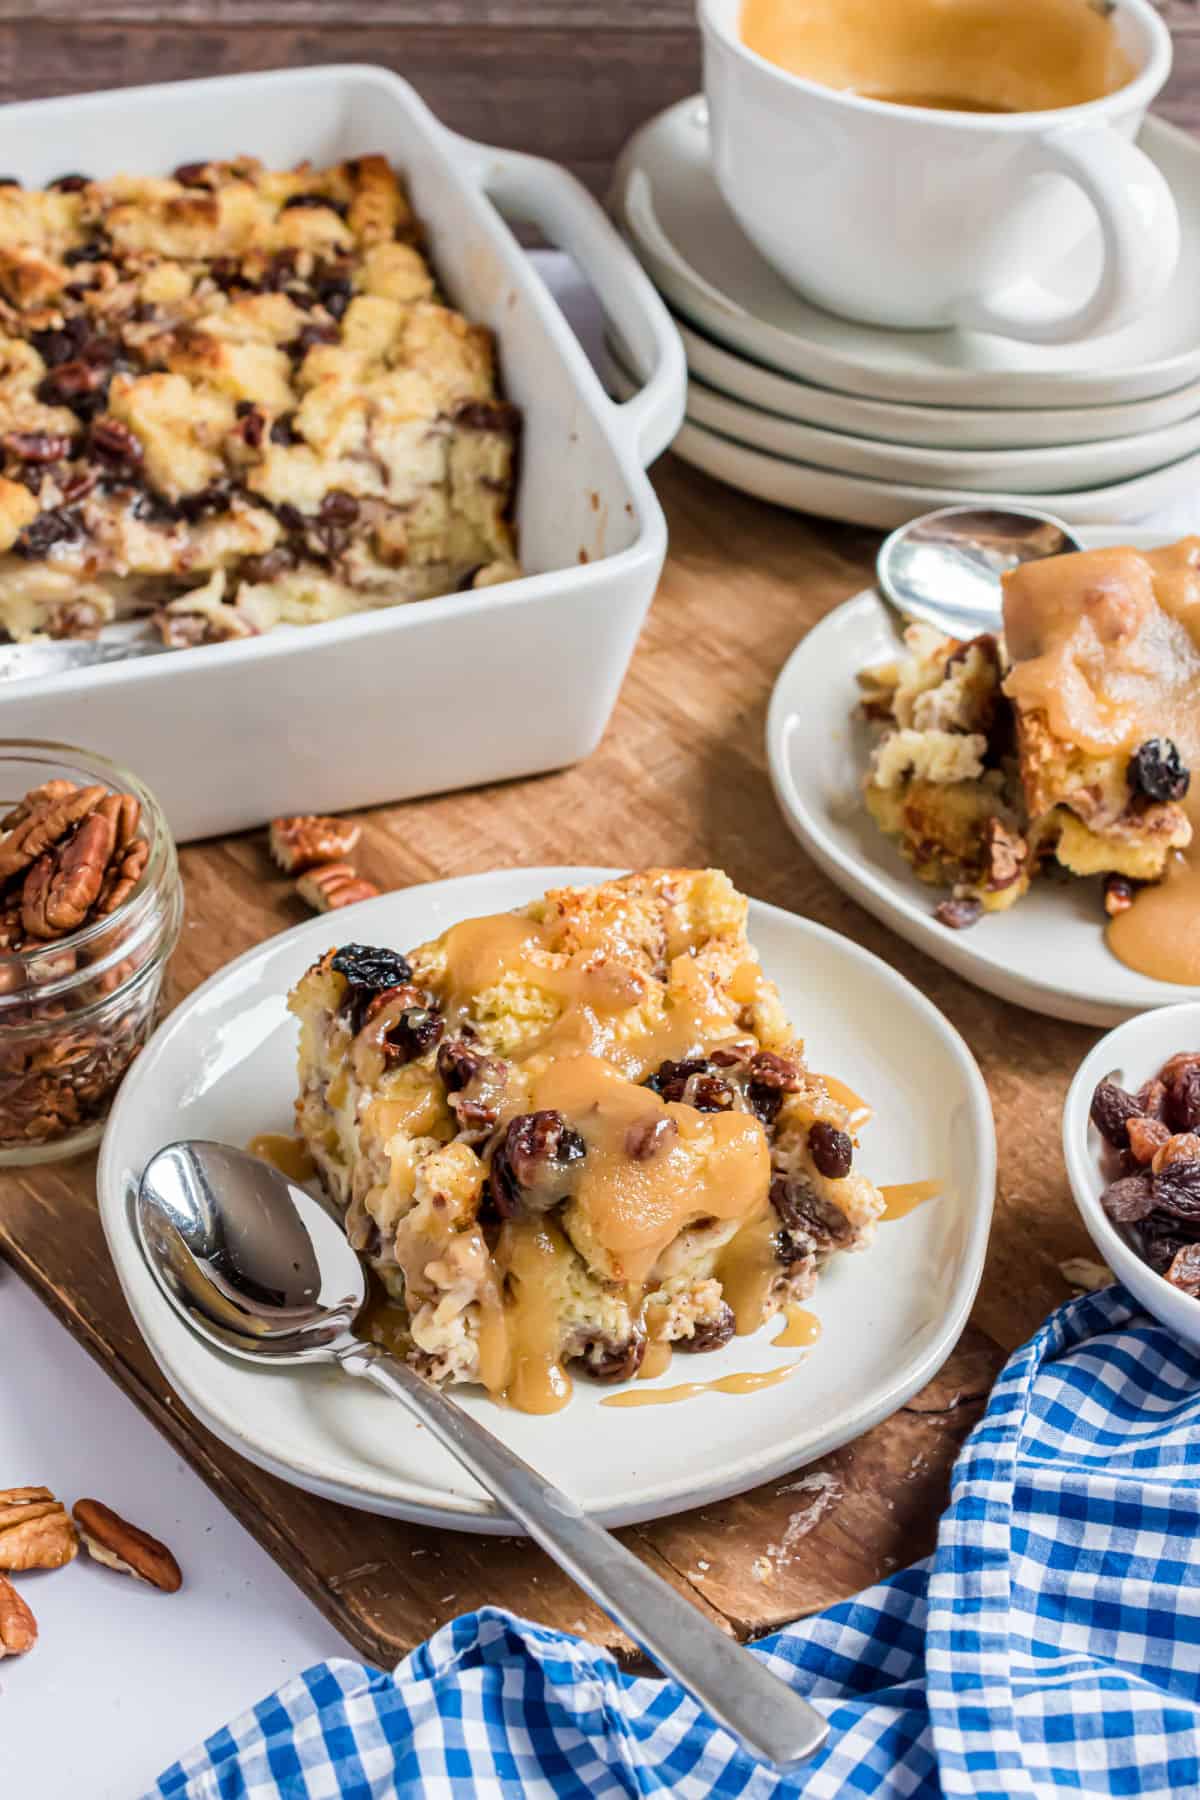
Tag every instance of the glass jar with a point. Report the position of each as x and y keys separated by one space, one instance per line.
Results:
x=75 y=1010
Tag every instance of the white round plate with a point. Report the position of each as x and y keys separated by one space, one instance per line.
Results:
x=859 y=500
x=1048 y=952
x=668 y=203
x=933 y=427
x=1028 y=472
x=1132 y=1053
x=223 y=1066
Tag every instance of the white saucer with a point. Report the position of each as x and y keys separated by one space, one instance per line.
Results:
x=933 y=427
x=666 y=200
x=882 y=505
x=224 y=1066
x=1047 y=953
x=1028 y=472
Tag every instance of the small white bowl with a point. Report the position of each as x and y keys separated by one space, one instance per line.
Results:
x=1135 y=1050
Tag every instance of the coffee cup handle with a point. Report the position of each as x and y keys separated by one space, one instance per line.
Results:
x=1139 y=226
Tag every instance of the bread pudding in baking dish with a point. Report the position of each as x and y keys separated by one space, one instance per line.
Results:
x=234 y=398
x=563 y=1135
x=1067 y=743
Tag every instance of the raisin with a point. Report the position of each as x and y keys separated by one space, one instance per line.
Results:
x=709 y=1334
x=531 y=1170
x=9 y=181
x=1118 y=894
x=283 y=429
x=648 y=1136
x=1129 y=1200
x=1112 y=1109
x=771 y=1077
x=1183 y=1100
x=269 y=567
x=216 y=498
x=335 y=296
x=958 y=914
x=708 y=1093
x=1160 y=1239
x=304 y=200
x=339 y=508
x=252 y=428
x=1184 y=1272
x=608 y=1359
x=1145 y=1137
x=41 y=534
x=831 y=1150
x=457 y=1063
x=1177 y=1190
x=670 y=1078
x=37 y=446
x=193 y=175
x=1157 y=772
x=96 y=249
x=69 y=184
x=488 y=415
x=308 y=335
x=1151 y=1098
x=368 y=971
x=813 y=1223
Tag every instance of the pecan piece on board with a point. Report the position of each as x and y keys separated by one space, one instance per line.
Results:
x=301 y=841
x=42 y=819
x=63 y=885
x=35 y=1530
x=18 y=1627
x=334 y=885
x=119 y=1545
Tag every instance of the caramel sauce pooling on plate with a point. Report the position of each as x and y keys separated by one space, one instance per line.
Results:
x=1107 y=642
x=1000 y=56
x=290 y=1155
x=904 y=1197
x=747 y=1383
x=625 y=1210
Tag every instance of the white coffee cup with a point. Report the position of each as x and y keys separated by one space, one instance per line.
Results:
x=905 y=216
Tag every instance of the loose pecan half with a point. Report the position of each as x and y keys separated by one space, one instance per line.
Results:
x=334 y=885
x=18 y=1627
x=35 y=1530
x=301 y=841
x=119 y=1545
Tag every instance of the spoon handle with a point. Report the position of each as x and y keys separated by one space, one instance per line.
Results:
x=773 y=1722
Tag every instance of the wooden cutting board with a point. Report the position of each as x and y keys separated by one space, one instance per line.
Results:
x=680 y=778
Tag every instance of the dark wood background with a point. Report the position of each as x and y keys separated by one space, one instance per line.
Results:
x=568 y=79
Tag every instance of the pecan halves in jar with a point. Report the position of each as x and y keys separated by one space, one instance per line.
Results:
x=41 y=820
x=64 y=884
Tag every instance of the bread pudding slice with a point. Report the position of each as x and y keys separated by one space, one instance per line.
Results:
x=565 y=1134
x=235 y=397
x=1105 y=685
x=941 y=779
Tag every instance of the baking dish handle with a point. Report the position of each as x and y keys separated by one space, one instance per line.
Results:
x=537 y=191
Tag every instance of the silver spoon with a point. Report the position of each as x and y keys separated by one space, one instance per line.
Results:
x=259 y=1268
x=945 y=567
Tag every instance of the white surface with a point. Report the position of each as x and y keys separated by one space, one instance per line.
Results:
x=1131 y=1055
x=123 y=1679
x=934 y=427
x=857 y=500
x=1028 y=471
x=668 y=203
x=353 y=713
x=224 y=1067
x=1047 y=952
x=915 y=217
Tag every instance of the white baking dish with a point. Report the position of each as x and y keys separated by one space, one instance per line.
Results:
x=443 y=693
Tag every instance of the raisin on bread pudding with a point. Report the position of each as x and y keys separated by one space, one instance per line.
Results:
x=1067 y=741
x=234 y=398
x=563 y=1134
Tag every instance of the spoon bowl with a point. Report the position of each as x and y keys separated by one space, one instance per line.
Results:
x=945 y=567
x=260 y=1270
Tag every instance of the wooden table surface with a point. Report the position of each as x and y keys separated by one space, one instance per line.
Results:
x=679 y=778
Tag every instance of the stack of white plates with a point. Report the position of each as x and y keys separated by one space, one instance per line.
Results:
x=872 y=426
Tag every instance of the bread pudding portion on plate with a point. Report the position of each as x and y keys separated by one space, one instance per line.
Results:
x=1066 y=743
x=566 y=1134
x=234 y=397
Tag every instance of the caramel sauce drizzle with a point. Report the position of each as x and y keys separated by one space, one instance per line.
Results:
x=1107 y=643
x=746 y=1383
x=290 y=1155
x=800 y=1328
x=904 y=1197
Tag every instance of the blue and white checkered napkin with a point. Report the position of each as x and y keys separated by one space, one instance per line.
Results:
x=1052 y=1642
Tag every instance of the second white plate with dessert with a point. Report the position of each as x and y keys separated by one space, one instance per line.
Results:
x=1048 y=952
x=224 y=1066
